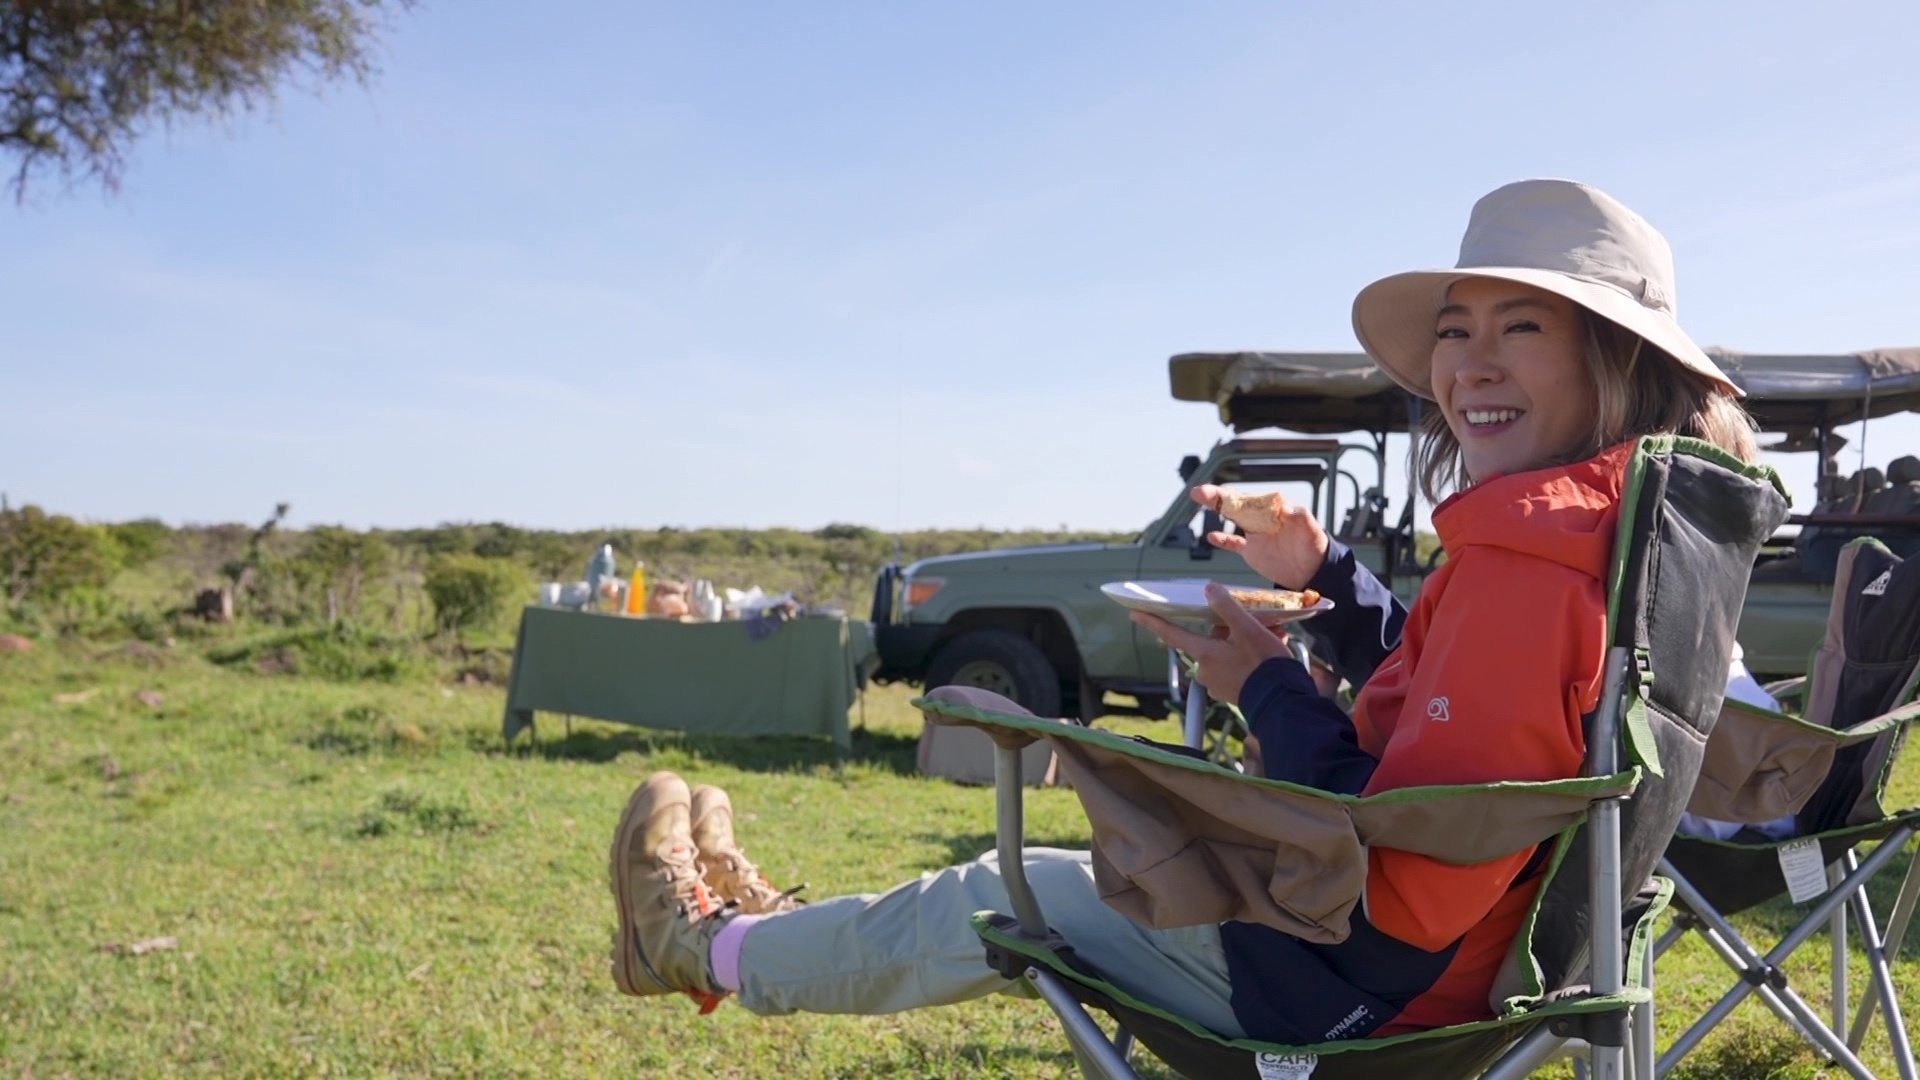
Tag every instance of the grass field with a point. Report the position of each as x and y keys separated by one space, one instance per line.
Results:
x=362 y=882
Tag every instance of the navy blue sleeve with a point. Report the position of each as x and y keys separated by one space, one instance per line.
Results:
x=1364 y=625
x=1304 y=738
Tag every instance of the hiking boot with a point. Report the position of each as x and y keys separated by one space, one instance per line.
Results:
x=668 y=916
x=726 y=868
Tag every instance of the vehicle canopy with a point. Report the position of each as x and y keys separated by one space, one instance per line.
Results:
x=1801 y=394
x=1323 y=393
x=1311 y=393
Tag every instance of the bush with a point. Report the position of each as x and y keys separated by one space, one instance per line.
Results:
x=47 y=556
x=340 y=562
x=140 y=541
x=472 y=591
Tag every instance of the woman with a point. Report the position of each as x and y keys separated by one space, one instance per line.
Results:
x=1548 y=348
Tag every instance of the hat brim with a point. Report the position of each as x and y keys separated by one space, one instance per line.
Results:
x=1393 y=318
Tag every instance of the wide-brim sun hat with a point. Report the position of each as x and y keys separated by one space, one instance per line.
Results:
x=1564 y=237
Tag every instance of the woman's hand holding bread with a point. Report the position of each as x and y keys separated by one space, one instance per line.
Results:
x=1280 y=540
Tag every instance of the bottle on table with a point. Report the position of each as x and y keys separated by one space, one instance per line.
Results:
x=637 y=589
x=599 y=570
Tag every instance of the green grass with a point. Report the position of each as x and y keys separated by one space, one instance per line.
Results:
x=363 y=883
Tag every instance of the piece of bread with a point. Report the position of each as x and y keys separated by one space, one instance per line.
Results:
x=1253 y=513
x=1273 y=599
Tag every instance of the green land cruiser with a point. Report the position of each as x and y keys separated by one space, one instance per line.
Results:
x=1031 y=623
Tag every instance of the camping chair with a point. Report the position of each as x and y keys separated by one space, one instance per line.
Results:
x=1829 y=770
x=1166 y=826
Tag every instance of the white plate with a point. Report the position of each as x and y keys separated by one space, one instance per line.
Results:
x=1186 y=602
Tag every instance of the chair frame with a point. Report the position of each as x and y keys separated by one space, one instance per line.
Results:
x=1761 y=974
x=1847 y=876
x=1631 y=1058
x=1196 y=707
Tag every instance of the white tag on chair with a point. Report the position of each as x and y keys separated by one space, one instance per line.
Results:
x=1805 y=869
x=1285 y=1066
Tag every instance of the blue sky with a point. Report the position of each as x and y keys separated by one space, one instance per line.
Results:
x=582 y=263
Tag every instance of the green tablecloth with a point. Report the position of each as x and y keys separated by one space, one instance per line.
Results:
x=694 y=677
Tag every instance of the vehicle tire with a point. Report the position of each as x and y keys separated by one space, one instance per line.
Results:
x=1003 y=662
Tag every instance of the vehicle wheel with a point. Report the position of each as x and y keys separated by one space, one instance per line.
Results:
x=1003 y=662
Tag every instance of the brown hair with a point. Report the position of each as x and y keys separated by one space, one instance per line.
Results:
x=1641 y=391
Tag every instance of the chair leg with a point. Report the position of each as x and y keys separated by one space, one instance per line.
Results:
x=1883 y=982
x=1194 y=732
x=1765 y=993
x=1837 y=947
x=1896 y=936
x=1010 y=838
x=1799 y=1015
x=1642 y=1026
x=1098 y=1058
x=1768 y=966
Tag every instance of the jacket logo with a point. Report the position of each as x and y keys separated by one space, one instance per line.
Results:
x=1346 y=1023
x=1878 y=587
x=1437 y=709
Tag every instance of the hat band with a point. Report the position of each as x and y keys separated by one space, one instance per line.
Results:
x=1646 y=291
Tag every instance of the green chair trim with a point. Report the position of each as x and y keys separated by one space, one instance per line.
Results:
x=1592 y=787
x=1633 y=994
x=1639 y=730
x=1852 y=834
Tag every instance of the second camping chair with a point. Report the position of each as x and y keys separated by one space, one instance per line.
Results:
x=1810 y=790
x=1179 y=841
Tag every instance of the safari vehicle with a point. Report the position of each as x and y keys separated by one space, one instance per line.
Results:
x=1803 y=399
x=1031 y=622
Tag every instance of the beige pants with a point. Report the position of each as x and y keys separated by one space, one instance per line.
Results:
x=914 y=946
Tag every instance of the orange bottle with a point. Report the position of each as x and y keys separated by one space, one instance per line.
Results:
x=637 y=589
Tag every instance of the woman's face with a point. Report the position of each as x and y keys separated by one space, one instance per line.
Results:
x=1509 y=376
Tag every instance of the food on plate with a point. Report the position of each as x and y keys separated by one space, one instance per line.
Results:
x=1253 y=513
x=1274 y=599
x=1187 y=602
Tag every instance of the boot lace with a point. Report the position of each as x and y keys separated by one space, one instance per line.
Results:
x=695 y=899
x=746 y=885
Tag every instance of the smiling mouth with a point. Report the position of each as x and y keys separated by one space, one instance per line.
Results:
x=1488 y=418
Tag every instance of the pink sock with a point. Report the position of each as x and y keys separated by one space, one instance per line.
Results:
x=724 y=957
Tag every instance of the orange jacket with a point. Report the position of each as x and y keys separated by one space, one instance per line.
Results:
x=1500 y=658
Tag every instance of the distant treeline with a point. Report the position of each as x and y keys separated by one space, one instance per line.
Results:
x=67 y=576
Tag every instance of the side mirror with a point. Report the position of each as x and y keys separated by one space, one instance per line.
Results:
x=1209 y=522
x=1188 y=466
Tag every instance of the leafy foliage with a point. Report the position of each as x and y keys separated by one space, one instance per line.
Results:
x=81 y=79
x=49 y=556
x=347 y=603
x=339 y=562
x=471 y=591
x=140 y=541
